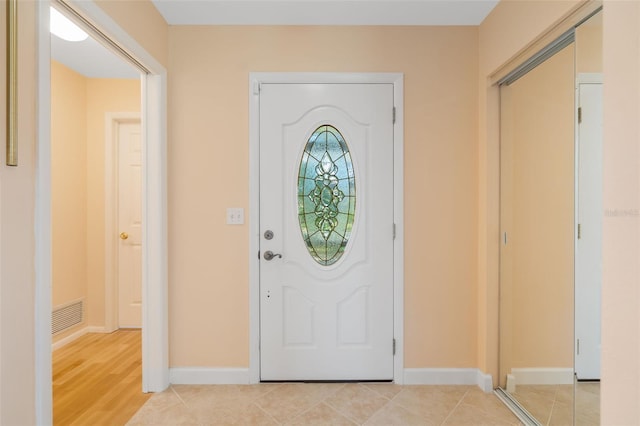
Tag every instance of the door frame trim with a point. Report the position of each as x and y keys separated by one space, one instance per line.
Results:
x=255 y=80
x=111 y=167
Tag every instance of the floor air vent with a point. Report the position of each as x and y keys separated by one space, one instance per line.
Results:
x=66 y=316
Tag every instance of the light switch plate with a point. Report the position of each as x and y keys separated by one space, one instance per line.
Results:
x=235 y=216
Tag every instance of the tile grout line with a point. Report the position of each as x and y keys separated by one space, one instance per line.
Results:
x=257 y=404
x=342 y=413
x=389 y=400
x=274 y=388
x=266 y=412
x=323 y=401
x=320 y=400
x=351 y=418
x=377 y=411
x=548 y=422
x=553 y=405
x=302 y=412
x=416 y=413
x=455 y=408
x=379 y=393
x=175 y=392
x=404 y=407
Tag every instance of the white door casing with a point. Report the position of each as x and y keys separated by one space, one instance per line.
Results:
x=589 y=212
x=318 y=348
x=129 y=224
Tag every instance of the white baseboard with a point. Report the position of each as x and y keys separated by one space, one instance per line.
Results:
x=448 y=376
x=70 y=338
x=208 y=376
x=97 y=329
x=76 y=335
x=484 y=381
x=412 y=376
x=543 y=376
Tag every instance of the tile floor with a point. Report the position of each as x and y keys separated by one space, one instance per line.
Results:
x=553 y=404
x=588 y=404
x=323 y=404
x=549 y=404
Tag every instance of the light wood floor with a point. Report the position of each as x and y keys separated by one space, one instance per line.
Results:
x=97 y=379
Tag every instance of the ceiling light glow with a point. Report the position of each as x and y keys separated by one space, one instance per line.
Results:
x=62 y=27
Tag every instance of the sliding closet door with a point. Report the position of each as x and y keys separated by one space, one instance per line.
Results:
x=537 y=226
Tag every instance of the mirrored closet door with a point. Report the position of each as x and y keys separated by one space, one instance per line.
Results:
x=550 y=215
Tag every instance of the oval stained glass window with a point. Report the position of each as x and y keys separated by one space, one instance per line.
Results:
x=326 y=195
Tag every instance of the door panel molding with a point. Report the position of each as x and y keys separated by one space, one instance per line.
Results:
x=255 y=81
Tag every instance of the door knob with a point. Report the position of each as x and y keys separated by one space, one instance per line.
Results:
x=268 y=255
x=124 y=235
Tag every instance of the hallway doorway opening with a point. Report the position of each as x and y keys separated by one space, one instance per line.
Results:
x=151 y=101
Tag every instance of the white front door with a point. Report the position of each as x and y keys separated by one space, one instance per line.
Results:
x=326 y=232
x=129 y=224
x=589 y=244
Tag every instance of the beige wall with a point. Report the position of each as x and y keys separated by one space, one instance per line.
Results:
x=17 y=237
x=513 y=25
x=589 y=46
x=621 y=233
x=68 y=185
x=208 y=159
x=142 y=21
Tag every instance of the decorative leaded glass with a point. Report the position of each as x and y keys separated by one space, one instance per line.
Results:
x=326 y=195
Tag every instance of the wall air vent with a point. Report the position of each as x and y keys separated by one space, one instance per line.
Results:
x=66 y=316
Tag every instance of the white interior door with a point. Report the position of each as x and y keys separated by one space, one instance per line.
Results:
x=129 y=225
x=326 y=232
x=589 y=243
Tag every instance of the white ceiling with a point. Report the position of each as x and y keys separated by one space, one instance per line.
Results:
x=324 y=12
x=92 y=59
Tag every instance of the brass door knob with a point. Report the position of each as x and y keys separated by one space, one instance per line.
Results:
x=124 y=235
